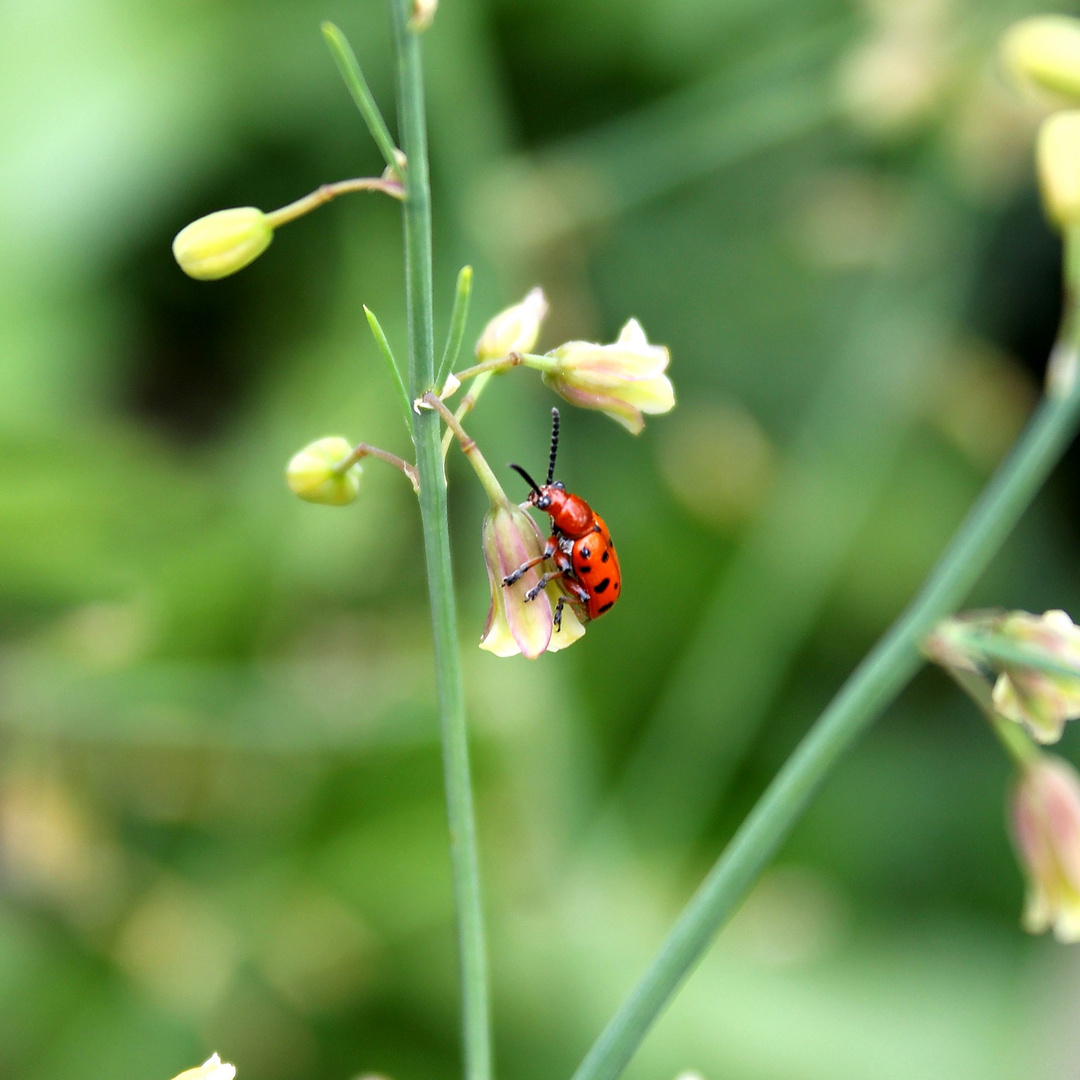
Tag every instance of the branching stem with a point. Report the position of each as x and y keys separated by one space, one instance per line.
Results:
x=324 y=194
x=363 y=450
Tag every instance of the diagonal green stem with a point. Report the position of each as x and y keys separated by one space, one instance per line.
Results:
x=426 y=434
x=871 y=687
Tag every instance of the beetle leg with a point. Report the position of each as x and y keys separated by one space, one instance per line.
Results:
x=557 y=620
x=539 y=587
x=525 y=567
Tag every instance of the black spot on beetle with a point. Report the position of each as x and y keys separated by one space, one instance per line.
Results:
x=616 y=586
x=584 y=568
x=605 y=607
x=602 y=587
x=605 y=556
x=585 y=553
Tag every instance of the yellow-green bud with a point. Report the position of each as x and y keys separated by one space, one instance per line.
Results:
x=423 y=14
x=222 y=243
x=315 y=476
x=211 y=1069
x=1058 y=157
x=1044 y=51
x=515 y=329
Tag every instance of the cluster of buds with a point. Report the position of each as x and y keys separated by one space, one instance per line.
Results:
x=1023 y=671
x=624 y=379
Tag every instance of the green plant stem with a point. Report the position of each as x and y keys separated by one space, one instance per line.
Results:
x=466 y=406
x=505 y=363
x=484 y=473
x=363 y=450
x=1015 y=741
x=870 y=688
x=357 y=86
x=327 y=192
x=426 y=434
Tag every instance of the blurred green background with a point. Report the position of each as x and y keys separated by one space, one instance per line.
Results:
x=221 y=822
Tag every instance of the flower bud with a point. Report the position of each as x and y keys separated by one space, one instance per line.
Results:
x=211 y=1069
x=315 y=476
x=1058 y=156
x=514 y=330
x=222 y=243
x=1044 y=51
x=1042 y=701
x=423 y=14
x=1046 y=831
x=623 y=380
x=514 y=625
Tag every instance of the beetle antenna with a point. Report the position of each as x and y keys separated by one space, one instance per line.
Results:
x=554 y=443
x=525 y=476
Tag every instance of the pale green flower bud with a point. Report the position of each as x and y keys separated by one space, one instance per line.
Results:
x=1046 y=831
x=211 y=1069
x=423 y=15
x=514 y=330
x=1040 y=700
x=1058 y=156
x=1030 y=659
x=222 y=243
x=623 y=380
x=315 y=474
x=1044 y=51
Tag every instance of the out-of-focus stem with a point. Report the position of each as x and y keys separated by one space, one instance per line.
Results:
x=871 y=687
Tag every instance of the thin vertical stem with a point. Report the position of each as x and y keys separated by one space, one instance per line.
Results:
x=426 y=432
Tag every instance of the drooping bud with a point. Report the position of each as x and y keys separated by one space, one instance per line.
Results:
x=1045 y=813
x=1040 y=700
x=221 y=243
x=514 y=625
x=1057 y=153
x=1030 y=658
x=211 y=1069
x=315 y=473
x=1044 y=52
x=515 y=329
x=623 y=380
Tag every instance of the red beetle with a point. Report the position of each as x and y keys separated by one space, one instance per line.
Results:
x=580 y=545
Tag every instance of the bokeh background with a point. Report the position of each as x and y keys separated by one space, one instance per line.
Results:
x=221 y=822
